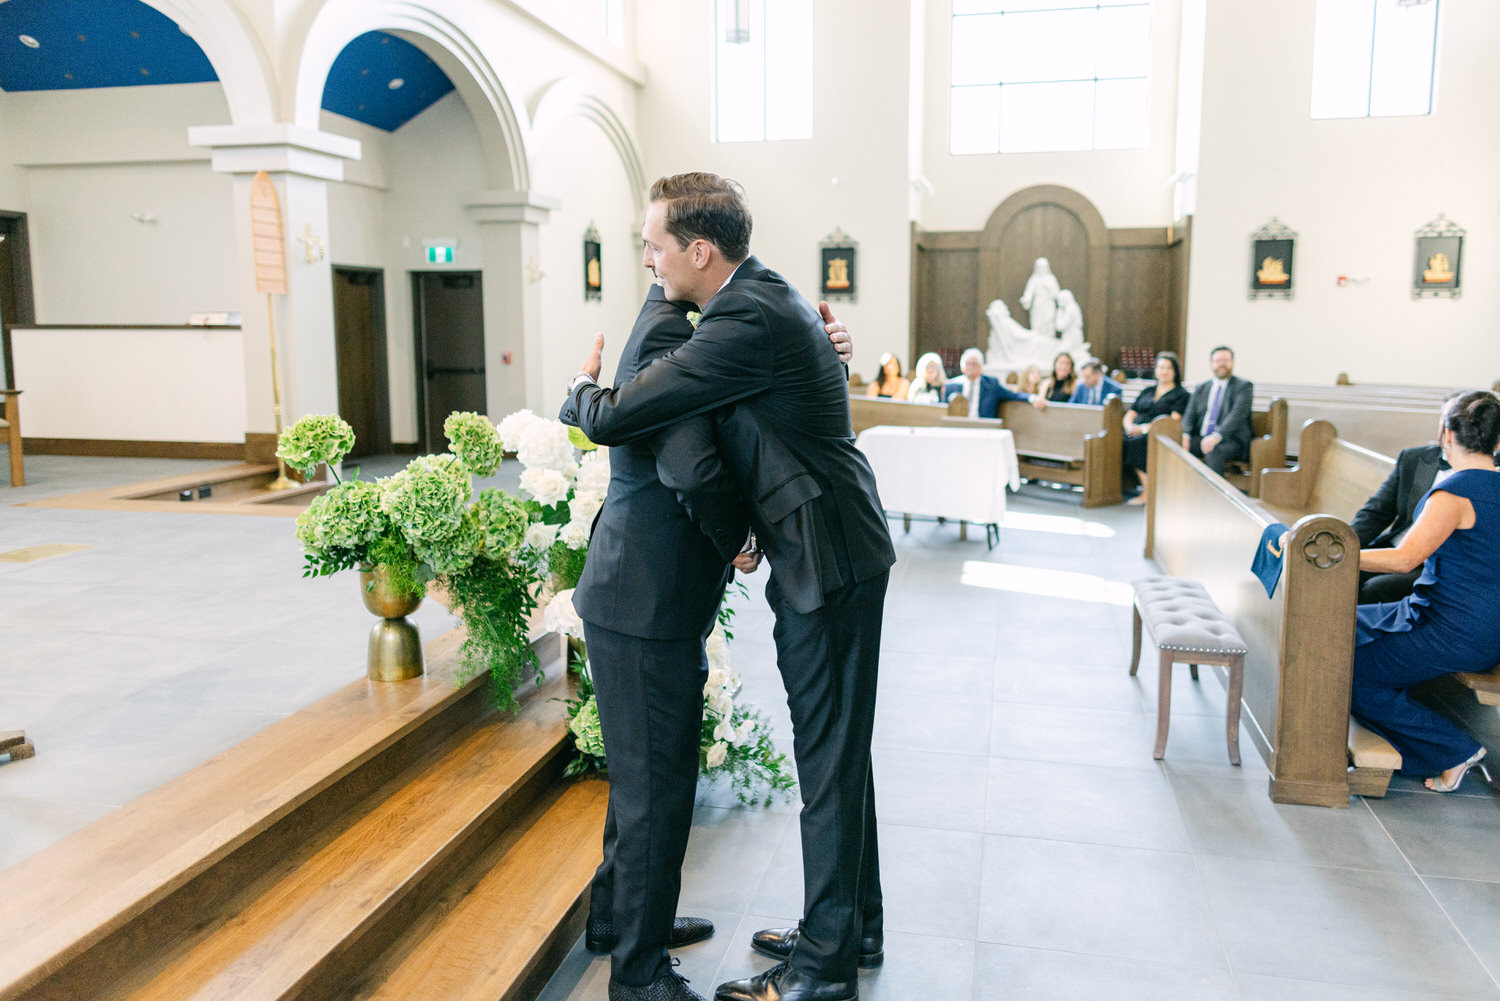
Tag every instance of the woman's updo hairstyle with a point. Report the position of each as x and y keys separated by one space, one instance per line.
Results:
x=1474 y=419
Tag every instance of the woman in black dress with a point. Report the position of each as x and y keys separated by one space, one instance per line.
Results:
x=1058 y=387
x=1165 y=397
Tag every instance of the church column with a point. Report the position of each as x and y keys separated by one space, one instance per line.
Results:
x=513 y=336
x=300 y=162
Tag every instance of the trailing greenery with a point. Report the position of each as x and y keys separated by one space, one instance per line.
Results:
x=495 y=597
x=407 y=577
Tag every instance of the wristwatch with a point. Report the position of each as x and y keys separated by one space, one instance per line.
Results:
x=579 y=378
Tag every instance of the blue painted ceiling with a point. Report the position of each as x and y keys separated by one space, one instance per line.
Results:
x=124 y=43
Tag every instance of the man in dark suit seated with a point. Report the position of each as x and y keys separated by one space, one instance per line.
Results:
x=761 y=347
x=1389 y=513
x=1094 y=387
x=1216 y=426
x=984 y=392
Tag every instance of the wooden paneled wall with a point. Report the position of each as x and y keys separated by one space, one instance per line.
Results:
x=1131 y=283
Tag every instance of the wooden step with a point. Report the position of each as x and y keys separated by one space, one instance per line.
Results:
x=502 y=937
x=298 y=934
x=122 y=900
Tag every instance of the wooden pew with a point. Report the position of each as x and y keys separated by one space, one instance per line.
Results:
x=1267 y=447
x=868 y=412
x=11 y=425
x=1071 y=443
x=1297 y=673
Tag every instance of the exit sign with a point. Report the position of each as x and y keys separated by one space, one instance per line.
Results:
x=439 y=255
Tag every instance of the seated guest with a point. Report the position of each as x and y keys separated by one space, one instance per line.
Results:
x=1448 y=622
x=1216 y=425
x=984 y=392
x=1160 y=399
x=1058 y=387
x=889 y=382
x=929 y=380
x=1030 y=381
x=1388 y=515
x=1094 y=387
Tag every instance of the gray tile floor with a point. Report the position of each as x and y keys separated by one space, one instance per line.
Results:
x=1031 y=846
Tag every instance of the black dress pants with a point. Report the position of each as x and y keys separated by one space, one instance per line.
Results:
x=1378 y=588
x=829 y=661
x=650 y=697
x=1222 y=455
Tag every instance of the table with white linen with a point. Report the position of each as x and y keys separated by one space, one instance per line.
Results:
x=955 y=473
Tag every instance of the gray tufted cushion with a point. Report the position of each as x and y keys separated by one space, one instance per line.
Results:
x=1181 y=617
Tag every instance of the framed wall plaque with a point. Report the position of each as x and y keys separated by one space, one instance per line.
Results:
x=1435 y=271
x=837 y=255
x=593 y=283
x=1271 y=250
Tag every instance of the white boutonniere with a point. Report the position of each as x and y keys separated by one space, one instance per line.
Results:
x=693 y=318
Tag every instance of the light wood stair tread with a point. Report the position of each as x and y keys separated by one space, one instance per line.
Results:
x=482 y=943
x=268 y=949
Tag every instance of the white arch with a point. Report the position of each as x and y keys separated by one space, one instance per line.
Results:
x=238 y=58
x=504 y=130
x=571 y=96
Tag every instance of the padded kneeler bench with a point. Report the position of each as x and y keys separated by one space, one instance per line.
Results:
x=1187 y=627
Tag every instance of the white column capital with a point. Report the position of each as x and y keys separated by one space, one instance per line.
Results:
x=277 y=147
x=510 y=206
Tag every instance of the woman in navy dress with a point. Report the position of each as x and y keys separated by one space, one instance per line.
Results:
x=1450 y=622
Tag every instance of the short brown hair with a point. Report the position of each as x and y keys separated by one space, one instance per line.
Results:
x=704 y=206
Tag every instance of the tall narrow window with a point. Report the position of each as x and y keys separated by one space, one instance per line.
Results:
x=1041 y=75
x=1374 y=58
x=763 y=63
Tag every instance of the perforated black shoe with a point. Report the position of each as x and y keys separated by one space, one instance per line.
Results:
x=599 y=936
x=667 y=987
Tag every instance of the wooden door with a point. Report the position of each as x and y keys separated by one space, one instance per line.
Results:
x=16 y=309
x=359 y=339
x=449 y=314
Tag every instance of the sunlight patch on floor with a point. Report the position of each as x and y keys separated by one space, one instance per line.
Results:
x=1046 y=583
x=1057 y=524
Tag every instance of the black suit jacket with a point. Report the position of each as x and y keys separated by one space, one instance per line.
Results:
x=1234 y=412
x=651 y=572
x=1391 y=510
x=811 y=493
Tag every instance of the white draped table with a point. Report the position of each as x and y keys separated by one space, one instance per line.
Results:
x=955 y=473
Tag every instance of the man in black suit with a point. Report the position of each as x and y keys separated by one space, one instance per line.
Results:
x=759 y=345
x=1216 y=426
x=649 y=595
x=1389 y=513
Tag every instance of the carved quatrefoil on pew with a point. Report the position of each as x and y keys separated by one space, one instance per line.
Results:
x=1324 y=550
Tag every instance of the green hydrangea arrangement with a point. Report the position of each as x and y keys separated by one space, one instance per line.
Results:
x=315 y=439
x=475 y=441
x=338 y=527
x=588 y=736
x=503 y=520
x=428 y=499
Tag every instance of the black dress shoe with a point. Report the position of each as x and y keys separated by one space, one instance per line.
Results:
x=599 y=936
x=785 y=983
x=778 y=943
x=667 y=987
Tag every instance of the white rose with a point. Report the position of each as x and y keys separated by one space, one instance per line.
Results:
x=593 y=472
x=716 y=680
x=512 y=427
x=720 y=702
x=561 y=617
x=724 y=731
x=548 y=486
x=584 y=505
x=717 y=649
x=540 y=537
x=575 y=534
x=717 y=753
x=545 y=445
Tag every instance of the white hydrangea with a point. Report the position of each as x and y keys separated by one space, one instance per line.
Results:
x=717 y=753
x=540 y=537
x=545 y=445
x=575 y=534
x=561 y=617
x=548 y=486
x=512 y=427
x=593 y=472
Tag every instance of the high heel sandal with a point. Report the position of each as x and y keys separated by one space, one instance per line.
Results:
x=1436 y=783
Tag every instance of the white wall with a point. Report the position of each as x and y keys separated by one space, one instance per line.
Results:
x=1355 y=190
x=1126 y=186
x=577 y=164
x=852 y=174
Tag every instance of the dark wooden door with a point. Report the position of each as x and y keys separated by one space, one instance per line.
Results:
x=16 y=309
x=359 y=338
x=449 y=312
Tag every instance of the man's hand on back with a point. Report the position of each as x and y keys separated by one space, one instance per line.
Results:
x=837 y=333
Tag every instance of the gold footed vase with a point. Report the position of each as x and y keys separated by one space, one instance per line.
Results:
x=395 y=643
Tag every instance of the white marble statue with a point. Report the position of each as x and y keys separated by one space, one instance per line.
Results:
x=1069 y=321
x=1040 y=298
x=1013 y=347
